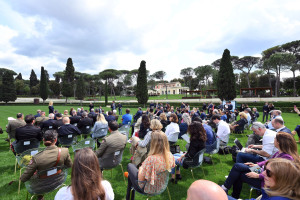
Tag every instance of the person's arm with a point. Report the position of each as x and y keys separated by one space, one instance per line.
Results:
x=30 y=170
x=147 y=138
x=101 y=149
x=255 y=146
x=259 y=152
x=68 y=161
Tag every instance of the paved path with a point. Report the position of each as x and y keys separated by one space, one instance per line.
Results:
x=215 y=100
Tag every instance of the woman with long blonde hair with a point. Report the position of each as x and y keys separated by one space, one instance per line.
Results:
x=149 y=178
x=51 y=108
x=86 y=180
x=100 y=128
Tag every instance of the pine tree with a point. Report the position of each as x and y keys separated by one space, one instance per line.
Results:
x=226 y=78
x=19 y=77
x=142 y=90
x=80 y=89
x=44 y=89
x=33 y=81
x=8 y=87
x=68 y=80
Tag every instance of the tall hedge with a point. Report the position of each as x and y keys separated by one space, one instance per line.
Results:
x=141 y=89
x=44 y=89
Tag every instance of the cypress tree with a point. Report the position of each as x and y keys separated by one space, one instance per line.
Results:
x=8 y=87
x=226 y=78
x=142 y=90
x=68 y=80
x=80 y=89
x=44 y=85
x=106 y=93
x=33 y=80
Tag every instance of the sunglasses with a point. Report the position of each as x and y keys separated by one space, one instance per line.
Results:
x=268 y=172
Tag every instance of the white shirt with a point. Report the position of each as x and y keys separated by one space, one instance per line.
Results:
x=268 y=143
x=65 y=192
x=270 y=123
x=223 y=131
x=172 y=132
x=248 y=118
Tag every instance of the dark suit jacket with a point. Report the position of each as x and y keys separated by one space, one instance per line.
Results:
x=28 y=132
x=85 y=122
x=57 y=124
x=75 y=119
x=68 y=129
x=47 y=124
x=110 y=118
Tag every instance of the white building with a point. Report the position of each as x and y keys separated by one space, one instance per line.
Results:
x=172 y=88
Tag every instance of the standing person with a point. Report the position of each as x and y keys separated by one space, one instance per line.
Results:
x=91 y=106
x=149 y=178
x=86 y=180
x=120 y=109
x=271 y=107
x=51 y=108
x=265 y=112
x=197 y=143
x=113 y=106
x=204 y=106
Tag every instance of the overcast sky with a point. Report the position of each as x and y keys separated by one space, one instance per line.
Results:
x=168 y=34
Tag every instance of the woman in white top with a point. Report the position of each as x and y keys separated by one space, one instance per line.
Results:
x=86 y=181
x=172 y=130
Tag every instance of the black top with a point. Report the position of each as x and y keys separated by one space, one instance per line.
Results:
x=57 y=124
x=47 y=124
x=241 y=124
x=195 y=146
x=165 y=123
x=51 y=109
x=75 y=119
x=68 y=129
x=85 y=122
x=143 y=131
x=28 y=132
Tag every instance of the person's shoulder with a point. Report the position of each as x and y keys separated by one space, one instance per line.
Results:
x=64 y=193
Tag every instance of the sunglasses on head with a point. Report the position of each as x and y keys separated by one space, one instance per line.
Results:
x=268 y=172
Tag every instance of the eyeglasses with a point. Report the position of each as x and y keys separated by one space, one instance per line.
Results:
x=268 y=172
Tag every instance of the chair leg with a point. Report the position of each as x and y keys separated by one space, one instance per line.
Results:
x=27 y=195
x=16 y=166
x=220 y=160
x=32 y=196
x=169 y=193
x=131 y=193
x=111 y=173
x=213 y=163
x=123 y=173
x=203 y=172
x=251 y=190
x=19 y=188
x=192 y=173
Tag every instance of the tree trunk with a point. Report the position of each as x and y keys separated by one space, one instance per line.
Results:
x=294 y=80
x=100 y=93
x=66 y=100
x=278 y=85
x=80 y=102
x=248 y=81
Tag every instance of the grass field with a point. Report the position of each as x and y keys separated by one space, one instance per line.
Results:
x=178 y=191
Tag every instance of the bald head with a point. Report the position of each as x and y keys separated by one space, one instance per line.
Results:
x=66 y=120
x=205 y=190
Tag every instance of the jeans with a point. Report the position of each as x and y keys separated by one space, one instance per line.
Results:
x=132 y=181
x=237 y=177
x=265 y=114
x=177 y=163
x=120 y=111
x=247 y=157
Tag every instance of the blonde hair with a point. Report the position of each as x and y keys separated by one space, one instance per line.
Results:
x=186 y=118
x=101 y=118
x=287 y=178
x=155 y=125
x=163 y=116
x=160 y=146
x=242 y=114
x=50 y=103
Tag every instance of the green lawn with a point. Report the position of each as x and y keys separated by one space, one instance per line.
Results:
x=178 y=191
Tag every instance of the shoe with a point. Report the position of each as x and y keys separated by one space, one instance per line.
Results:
x=178 y=177
x=173 y=180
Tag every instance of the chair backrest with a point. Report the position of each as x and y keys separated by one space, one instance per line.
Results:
x=89 y=142
x=23 y=145
x=45 y=181
x=67 y=140
x=24 y=158
x=211 y=148
x=125 y=129
x=100 y=133
x=197 y=159
x=86 y=130
x=112 y=160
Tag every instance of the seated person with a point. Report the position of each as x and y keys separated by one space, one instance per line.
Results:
x=144 y=127
x=85 y=124
x=223 y=116
x=116 y=141
x=14 y=124
x=40 y=119
x=202 y=115
x=145 y=179
x=281 y=179
x=287 y=148
x=172 y=130
x=297 y=130
x=110 y=117
x=48 y=124
x=256 y=114
x=127 y=118
x=75 y=118
x=138 y=114
x=267 y=148
x=238 y=127
x=139 y=148
x=68 y=128
x=51 y=157
x=27 y=132
x=205 y=190
x=114 y=113
x=278 y=125
x=197 y=143
x=163 y=121
x=93 y=187
x=183 y=126
x=101 y=123
x=223 y=129
x=58 y=122
x=194 y=115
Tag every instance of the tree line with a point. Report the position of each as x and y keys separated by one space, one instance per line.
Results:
x=262 y=71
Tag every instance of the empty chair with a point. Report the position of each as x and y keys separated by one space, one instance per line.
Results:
x=89 y=142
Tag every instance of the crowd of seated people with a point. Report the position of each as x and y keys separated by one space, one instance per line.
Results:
x=165 y=124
